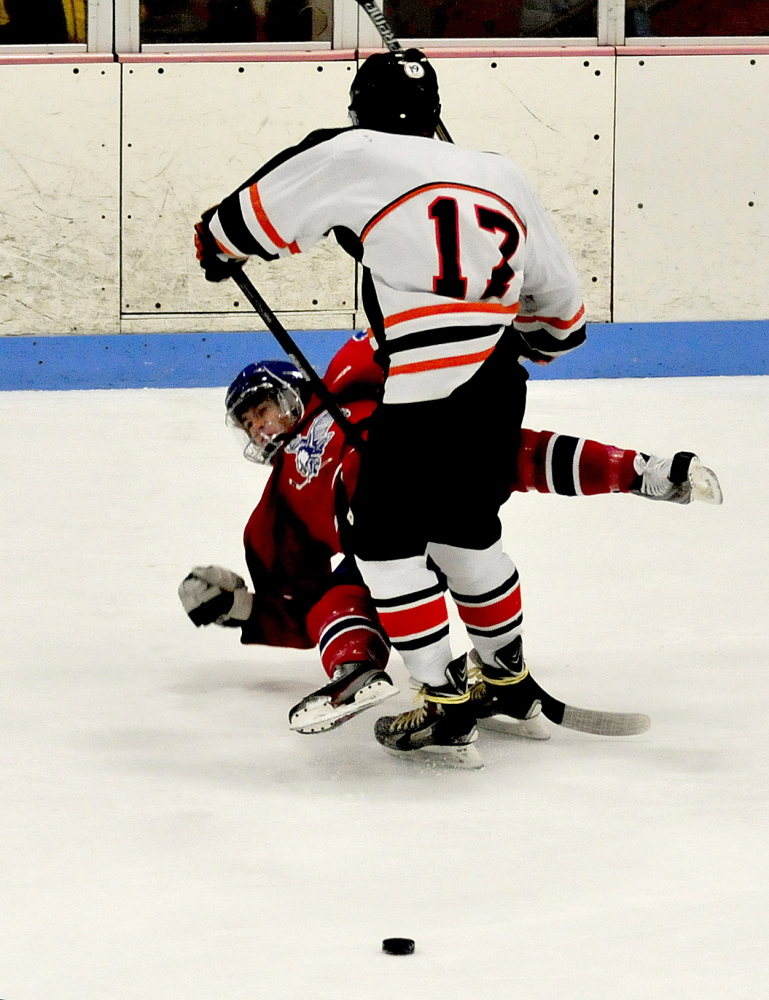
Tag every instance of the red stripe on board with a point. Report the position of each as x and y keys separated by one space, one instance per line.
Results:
x=707 y=49
x=54 y=58
x=248 y=56
x=502 y=52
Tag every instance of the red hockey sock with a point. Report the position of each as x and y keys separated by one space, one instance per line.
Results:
x=569 y=466
x=345 y=626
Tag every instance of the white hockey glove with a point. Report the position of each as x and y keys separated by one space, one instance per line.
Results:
x=213 y=595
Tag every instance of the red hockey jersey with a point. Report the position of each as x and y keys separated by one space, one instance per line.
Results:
x=299 y=523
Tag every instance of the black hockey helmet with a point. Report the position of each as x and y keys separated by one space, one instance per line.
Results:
x=396 y=92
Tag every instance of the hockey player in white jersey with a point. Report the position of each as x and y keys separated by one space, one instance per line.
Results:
x=463 y=274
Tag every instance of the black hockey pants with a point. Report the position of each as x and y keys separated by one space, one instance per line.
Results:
x=439 y=471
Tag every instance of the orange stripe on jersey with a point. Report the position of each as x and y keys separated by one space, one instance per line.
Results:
x=264 y=222
x=451 y=307
x=559 y=324
x=440 y=186
x=426 y=366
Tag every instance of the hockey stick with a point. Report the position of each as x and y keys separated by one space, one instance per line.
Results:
x=387 y=35
x=584 y=720
x=590 y=720
x=279 y=332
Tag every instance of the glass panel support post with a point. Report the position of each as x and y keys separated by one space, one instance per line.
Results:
x=127 y=26
x=100 y=25
x=611 y=22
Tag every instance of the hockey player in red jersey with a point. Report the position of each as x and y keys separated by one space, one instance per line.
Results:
x=462 y=275
x=295 y=532
x=298 y=527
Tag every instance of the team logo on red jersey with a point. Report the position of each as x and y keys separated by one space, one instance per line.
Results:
x=308 y=448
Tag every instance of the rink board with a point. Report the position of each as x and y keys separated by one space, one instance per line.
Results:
x=191 y=134
x=60 y=198
x=691 y=219
x=133 y=361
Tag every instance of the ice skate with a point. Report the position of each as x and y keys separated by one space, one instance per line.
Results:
x=442 y=729
x=504 y=695
x=679 y=479
x=354 y=688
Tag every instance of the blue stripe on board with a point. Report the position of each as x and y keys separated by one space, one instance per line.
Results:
x=133 y=361
x=648 y=350
x=179 y=360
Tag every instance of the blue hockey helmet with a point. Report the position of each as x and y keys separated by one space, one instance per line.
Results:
x=396 y=92
x=276 y=382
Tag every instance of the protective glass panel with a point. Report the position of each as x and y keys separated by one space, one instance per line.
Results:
x=493 y=18
x=42 y=22
x=695 y=18
x=176 y=21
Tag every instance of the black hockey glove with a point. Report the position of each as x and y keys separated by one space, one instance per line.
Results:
x=208 y=252
x=213 y=595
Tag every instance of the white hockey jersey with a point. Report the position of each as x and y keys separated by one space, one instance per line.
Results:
x=456 y=245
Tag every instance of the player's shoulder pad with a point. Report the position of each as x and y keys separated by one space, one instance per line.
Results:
x=313 y=139
x=353 y=372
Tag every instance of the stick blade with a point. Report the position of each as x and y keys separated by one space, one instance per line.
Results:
x=586 y=720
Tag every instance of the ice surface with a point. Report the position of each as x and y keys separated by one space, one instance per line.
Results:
x=165 y=837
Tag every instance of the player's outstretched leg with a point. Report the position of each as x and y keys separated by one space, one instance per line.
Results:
x=679 y=479
x=441 y=729
x=504 y=696
x=353 y=688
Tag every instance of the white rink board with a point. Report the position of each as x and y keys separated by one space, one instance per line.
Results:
x=692 y=147
x=693 y=150
x=59 y=199
x=191 y=134
x=545 y=113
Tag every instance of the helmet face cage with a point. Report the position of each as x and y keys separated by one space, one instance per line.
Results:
x=396 y=92
x=276 y=382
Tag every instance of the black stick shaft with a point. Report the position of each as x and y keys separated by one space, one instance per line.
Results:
x=285 y=340
x=388 y=37
x=380 y=23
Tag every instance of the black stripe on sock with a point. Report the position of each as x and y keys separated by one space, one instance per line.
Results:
x=422 y=641
x=413 y=598
x=562 y=465
x=491 y=633
x=499 y=591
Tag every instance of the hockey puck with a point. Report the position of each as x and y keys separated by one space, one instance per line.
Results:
x=398 y=946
